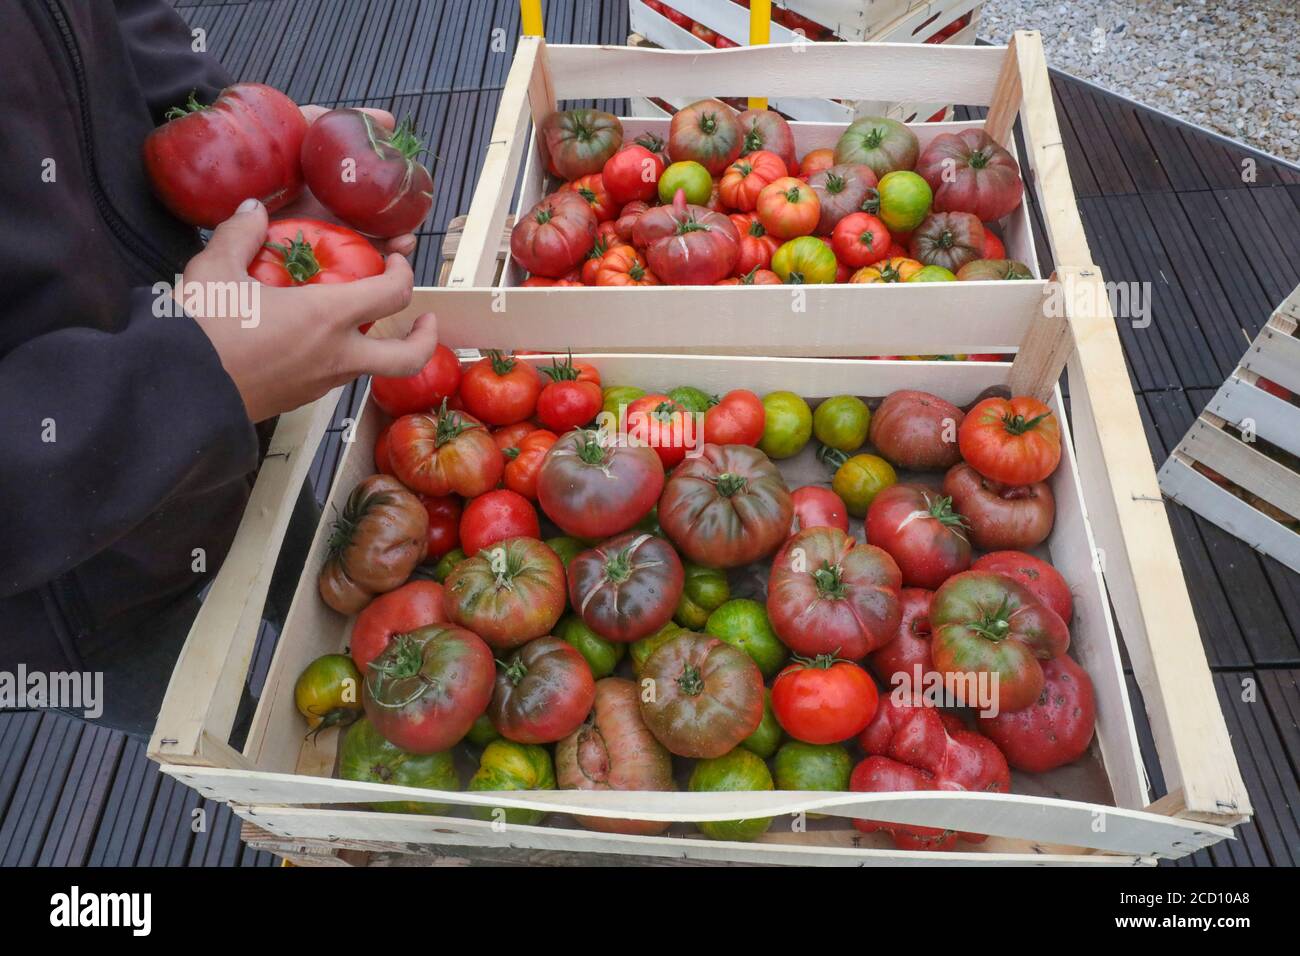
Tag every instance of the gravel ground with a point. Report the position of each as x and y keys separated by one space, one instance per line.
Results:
x=1229 y=65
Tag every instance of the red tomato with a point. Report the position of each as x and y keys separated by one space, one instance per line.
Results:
x=206 y=160
x=921 y=532
x=592 y=189
x=817 y=507
x=497 y=516
x=543 y=692
x=554 y=236
x=1042 y=580
x=993 y=247
x=702 y=32
x=627 y=587
x=1016 y=441
x=679 y=18
x=664 y=425
x=390 y=191
x=859 y=239
x=444 y=524
x=746 y=178
x=1001 y=517
x=623 y=266
x=413 y=605
x=311 y=252
x=738 y=419
x=756 y=246
x=823 y=700
x=444 y=452
x=816 y=160
x=910 y=648
x=593 y=488
x=1054 y=730
x=500 y=390
x=523 y=466
x=421 y=392
x=508 y=437
x=632 y=174
x=382 y=465
x=572 y=398
x=754 y=276
x=788 y=207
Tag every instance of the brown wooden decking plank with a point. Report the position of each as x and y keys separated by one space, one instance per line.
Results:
x=1166 y=138
x=18 y=731
x=1091 y=128
x=29 y=816
x=372 y=37
x=1076 y=157
x=130 y=800
x=83 y=797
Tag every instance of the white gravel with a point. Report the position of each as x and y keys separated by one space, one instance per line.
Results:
x=1229 y=65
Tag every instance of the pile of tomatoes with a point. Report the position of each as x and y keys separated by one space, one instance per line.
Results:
x=543 y=567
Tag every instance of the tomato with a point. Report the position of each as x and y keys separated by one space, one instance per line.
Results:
x=805 y=261
x=841 y=190
x=623 y=266
x=566 y=548
x=445 y=452
x=506 y=766
x=421 y=392
x=1001 y=516
x=858 y=478
x=382 y=464
x=685 y=244
x=615 y=401
x=756 y=246
x=993 y=247
x=755 y=276
x=816 y=507
x=744 y=625
x=366 y=756
x=594 y=488
x=701 y=32
x=627 y=587
x=602 y=656
x=554 y=236
x=859 y=239
x=495 y=516
x=746 y=178
x=738 y=770
x=904 y=661
x=328 y=692
x=704 y=590
x=738 y=419
x=592 y=189
x=543 y=692
x=823 y=700
x=842 y=422
x=917 y=430
x=376 y=543
x=689 y=177
x=827 y=594
x=766 y=130
x=522 y=470
x=665 y=426
x=1056 y=728
x=708 y=696
x=895 y=269
x=706 y=132
x=1016 y=441
x=692 y=399
x=388 y=191
x=948 y=239
x=206 y=160
x=993 y=270
x=971 y=173
x=1042 y=580
x=509 y=593
x=414 y=605
x=571 y=398
x=788 y=207
x=614 y=750
x=787 y=424
x=921 y=532
x=769 y=734
x=632 y=173
x=801 y=766
x=654 y=143
x=447 y=563
x=425 y=690
x=883 y=144
x=508 y=437
x=815 y=161
x=499 y=389
x=986 y=623
x=311 y=252
x=904 y=201
x=578 y=142
x=727 y=507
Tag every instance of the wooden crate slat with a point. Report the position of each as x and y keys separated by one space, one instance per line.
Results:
x=1275 y=354
x=1244 y=465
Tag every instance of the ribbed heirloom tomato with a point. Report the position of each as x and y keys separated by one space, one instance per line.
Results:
x=824 y=699
x=554 y=236
x=706 y=132
x=788 y=207
x=623 y=266
x=524 y=466
x=971 y=173
x=499 y=389
x=664 y=425
x=444 y=452
x=543 y=692
x=686 y=244
x=626 y=587
x=375 y=544
x=917 y=430
x=921 y=532
x=592 y=189
x=592 y=487
x=841 y=190
x=1043 y=580
x=767 y=130
x=577 y=142
x=1016 y=441
x=756 y=246
x=746 y=177
x=1000 y=516
x=509 y=593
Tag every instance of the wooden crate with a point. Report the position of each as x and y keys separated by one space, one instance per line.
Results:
x=895 y=21
x=1111 y=540
x=1231 y=441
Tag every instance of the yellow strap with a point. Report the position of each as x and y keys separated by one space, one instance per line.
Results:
x=531 y=11
x=760 y=32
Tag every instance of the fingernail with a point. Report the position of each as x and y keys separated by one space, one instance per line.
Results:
x=248 y=205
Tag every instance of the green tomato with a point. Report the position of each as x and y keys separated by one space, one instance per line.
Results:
x=689 y=176
x=743 y=624
x=365 y=755
x=642 y=649
x=932 y=274
x=767 y=737
x=788 y=425
x=482 y=732
x=858 y=479
x=506 y=765
x=739 y=769
x=602 y=656
x=328 y=692
x=904 y=200
x=805 y=260
x=842 y=422
x=566 y=548
x=446 y=563
x=649 y=524
x=704 y=592
x=693 y=399
x=617 y=398
x=801 y=766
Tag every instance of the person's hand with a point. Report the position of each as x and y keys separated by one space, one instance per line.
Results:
x=300 y=342
x=309 y=207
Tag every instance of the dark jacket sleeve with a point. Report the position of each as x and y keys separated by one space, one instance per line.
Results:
x=161 y=47
x=102 y=428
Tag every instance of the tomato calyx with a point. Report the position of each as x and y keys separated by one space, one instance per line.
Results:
x=871 y=201
x=636 y=271
x=873 y=138
x=191 y=105
x=822 y=662
x=652 y=142
x=562 y=371
x=502 y=363
x=592 y=449
x=543 y=216
x=941 y=510
x=299 y=258
x=832 y=458
x=757 y=230
x=978 y=159
x=729 y=484
x=691 y=683
x=835 y=183
x=747 y=279
x=753 y=141
x=945 y=239
x=407 y=657
x=830 y=584
x=792 y=194
x=450 y=426
x=516 y=670
x=405 y=140
x=993 y=626
x=1018 y=424
x=708 y=124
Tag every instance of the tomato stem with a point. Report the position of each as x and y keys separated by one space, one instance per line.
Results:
x=830 y=584
x=402 y=660
x=405 y=141
x=871 y=201
x=690 y=682
x=450 y=425
x=1018 y=424
x=299 y=258
x=562 y=371
x=502 y=363
x=592 y=450
x=729 y=484
x=192 y=105
x=832 y=458
x=514 y=669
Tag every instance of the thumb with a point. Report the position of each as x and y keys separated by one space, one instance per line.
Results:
x=235 y=241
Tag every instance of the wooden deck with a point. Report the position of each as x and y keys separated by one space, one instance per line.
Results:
x=1163 y=202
